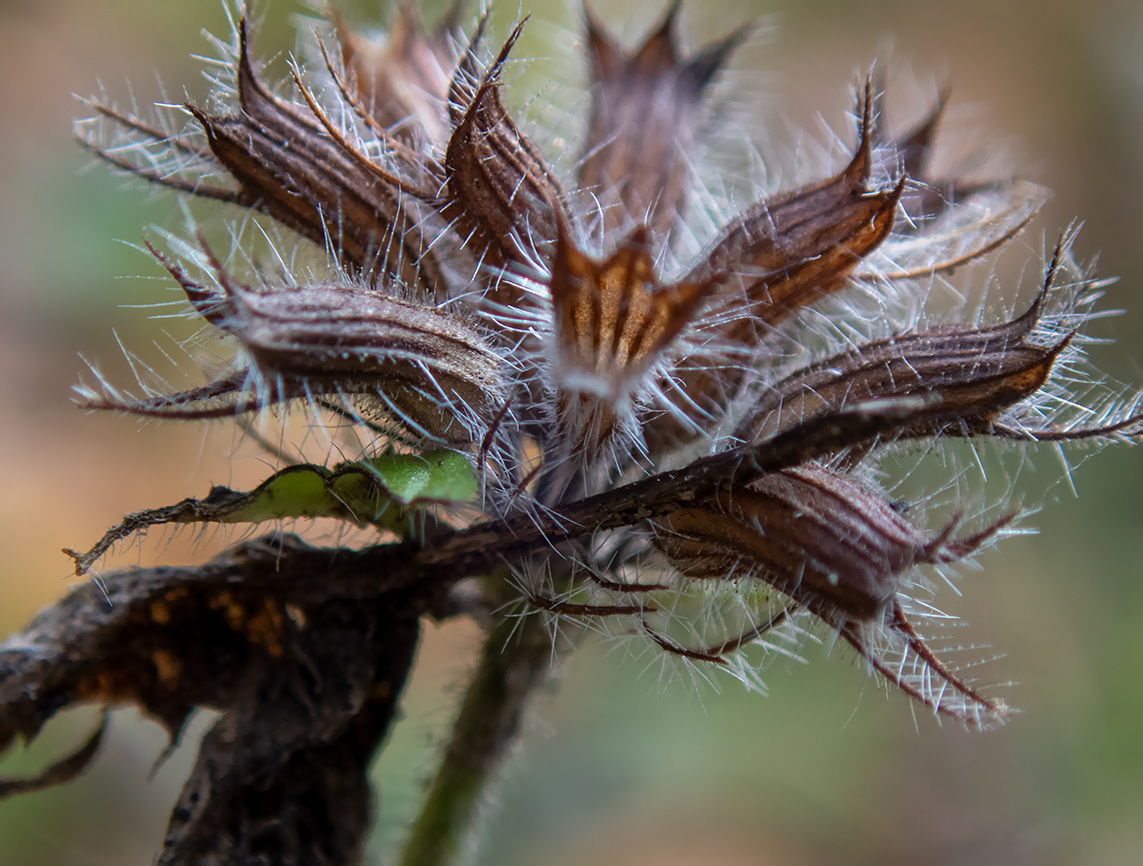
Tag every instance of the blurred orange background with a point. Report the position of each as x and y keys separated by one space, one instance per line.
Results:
x=617 y=767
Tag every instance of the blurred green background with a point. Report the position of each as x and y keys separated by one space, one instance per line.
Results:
x=618 y=767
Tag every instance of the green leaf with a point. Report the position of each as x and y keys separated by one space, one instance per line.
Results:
x=383 y=491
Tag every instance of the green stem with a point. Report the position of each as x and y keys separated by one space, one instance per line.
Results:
x=516 y=658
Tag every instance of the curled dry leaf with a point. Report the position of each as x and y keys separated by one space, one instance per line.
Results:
x=306 y=691
x=384 y=492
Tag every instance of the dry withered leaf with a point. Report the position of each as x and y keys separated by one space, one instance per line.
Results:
x=307 y=691
x=384 y=491
x=646 y=115
x=282 y=777
x=62 y=771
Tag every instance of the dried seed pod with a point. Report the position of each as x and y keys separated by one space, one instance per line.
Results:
x=974 y=373
x=317 y=189
x=913 y=148
x=425 y=366
x=781 y=255
x=646 y=113
x=500 y=195
x=787 y=252
x=840 y=551
x=612 y=321
x=403 y=80
x=912 y=151
x=816 y=535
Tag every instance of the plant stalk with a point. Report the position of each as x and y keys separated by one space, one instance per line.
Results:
x=516 y=659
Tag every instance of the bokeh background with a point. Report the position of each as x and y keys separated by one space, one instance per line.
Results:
x=618 y=767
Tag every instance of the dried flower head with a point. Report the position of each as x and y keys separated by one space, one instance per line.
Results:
x=636 y=409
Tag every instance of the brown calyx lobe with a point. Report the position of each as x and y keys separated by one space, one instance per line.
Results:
x=613 y=320
x=499 y=193
x=782 y=255
x=646 y=112
x=424 y=363
x=815 y=534
x=928 y=195
x=790 y=251
x=614 y=317
x=289 y=168
x=403 y=81
x=973 y=372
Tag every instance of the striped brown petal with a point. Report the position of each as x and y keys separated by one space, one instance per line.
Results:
x=840 y=551
x=403 y=80
x=974 y=373
x=785 y=253
x=287 y=166
x=499 y=195
x=612 y=321
x=646 y=113
x=420 y=365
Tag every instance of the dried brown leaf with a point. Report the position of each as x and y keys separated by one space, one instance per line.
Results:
x=307 y=691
